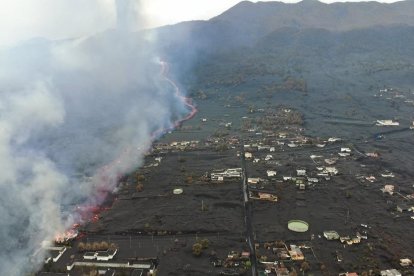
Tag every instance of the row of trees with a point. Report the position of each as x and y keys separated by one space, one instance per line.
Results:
x=96 y=246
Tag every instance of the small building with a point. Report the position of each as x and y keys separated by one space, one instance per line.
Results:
x=313 y=180
x=248 y=155
x=90 y=255
x=334 y=139
x=388 y=189
x=390 y=272
x=158 y=159
x=406 y=262
x=245 y=255
x=106 y=255
x=267 y=197
x=346 y=150
x=403 y=207
x=271 y=173
x=253 y=180
x=387 y=175
x=233 y=255
x=387 y=123
x=356 y=240
x=331 y=170
x=372 y=154
x=331 y=235
x=301 y=172
x=371 y=178
x=295 y=253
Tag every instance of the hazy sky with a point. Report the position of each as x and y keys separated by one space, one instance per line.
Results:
x=24 y=19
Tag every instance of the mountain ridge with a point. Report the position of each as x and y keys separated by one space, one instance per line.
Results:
x=264 y=17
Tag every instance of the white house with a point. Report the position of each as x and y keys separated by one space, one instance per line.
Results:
x=388 y=189
x=334 y=139
x=253 y=180
x=90 y=255
x=313 y=179
x=106 y=255
x=271 y=173
x=301 y=172
x=387 y=123
x=331 y=170
x=390 y=272
x=248 y=155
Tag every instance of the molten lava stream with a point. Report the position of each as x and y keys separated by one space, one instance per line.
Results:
x=90 y=213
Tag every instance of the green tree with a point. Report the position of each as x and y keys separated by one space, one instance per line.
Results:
x=205 y=243
x=197 y=249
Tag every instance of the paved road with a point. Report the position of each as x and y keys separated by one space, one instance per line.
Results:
x=248 y=216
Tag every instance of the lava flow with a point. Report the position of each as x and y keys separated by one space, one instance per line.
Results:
x=108 y=177
x=188 y=102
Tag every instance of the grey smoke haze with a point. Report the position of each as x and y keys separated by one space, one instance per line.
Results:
x=68 y=109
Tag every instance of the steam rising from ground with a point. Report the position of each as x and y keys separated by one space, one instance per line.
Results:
x=70 y=109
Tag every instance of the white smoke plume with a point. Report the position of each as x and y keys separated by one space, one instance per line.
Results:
x=69 y=109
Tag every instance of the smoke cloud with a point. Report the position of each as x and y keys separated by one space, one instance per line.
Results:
x=74 y=116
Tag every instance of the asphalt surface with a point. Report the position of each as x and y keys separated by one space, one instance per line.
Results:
x=248 y=216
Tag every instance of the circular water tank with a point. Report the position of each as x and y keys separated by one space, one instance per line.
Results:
x=299 y=226
x=178 y=191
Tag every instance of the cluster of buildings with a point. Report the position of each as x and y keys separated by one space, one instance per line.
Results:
x=176 y=146
x=333 y=235
x=226 y=174
x=277 y=256
x=103 y=262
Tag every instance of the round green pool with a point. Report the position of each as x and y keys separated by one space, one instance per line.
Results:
x=299 y=226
